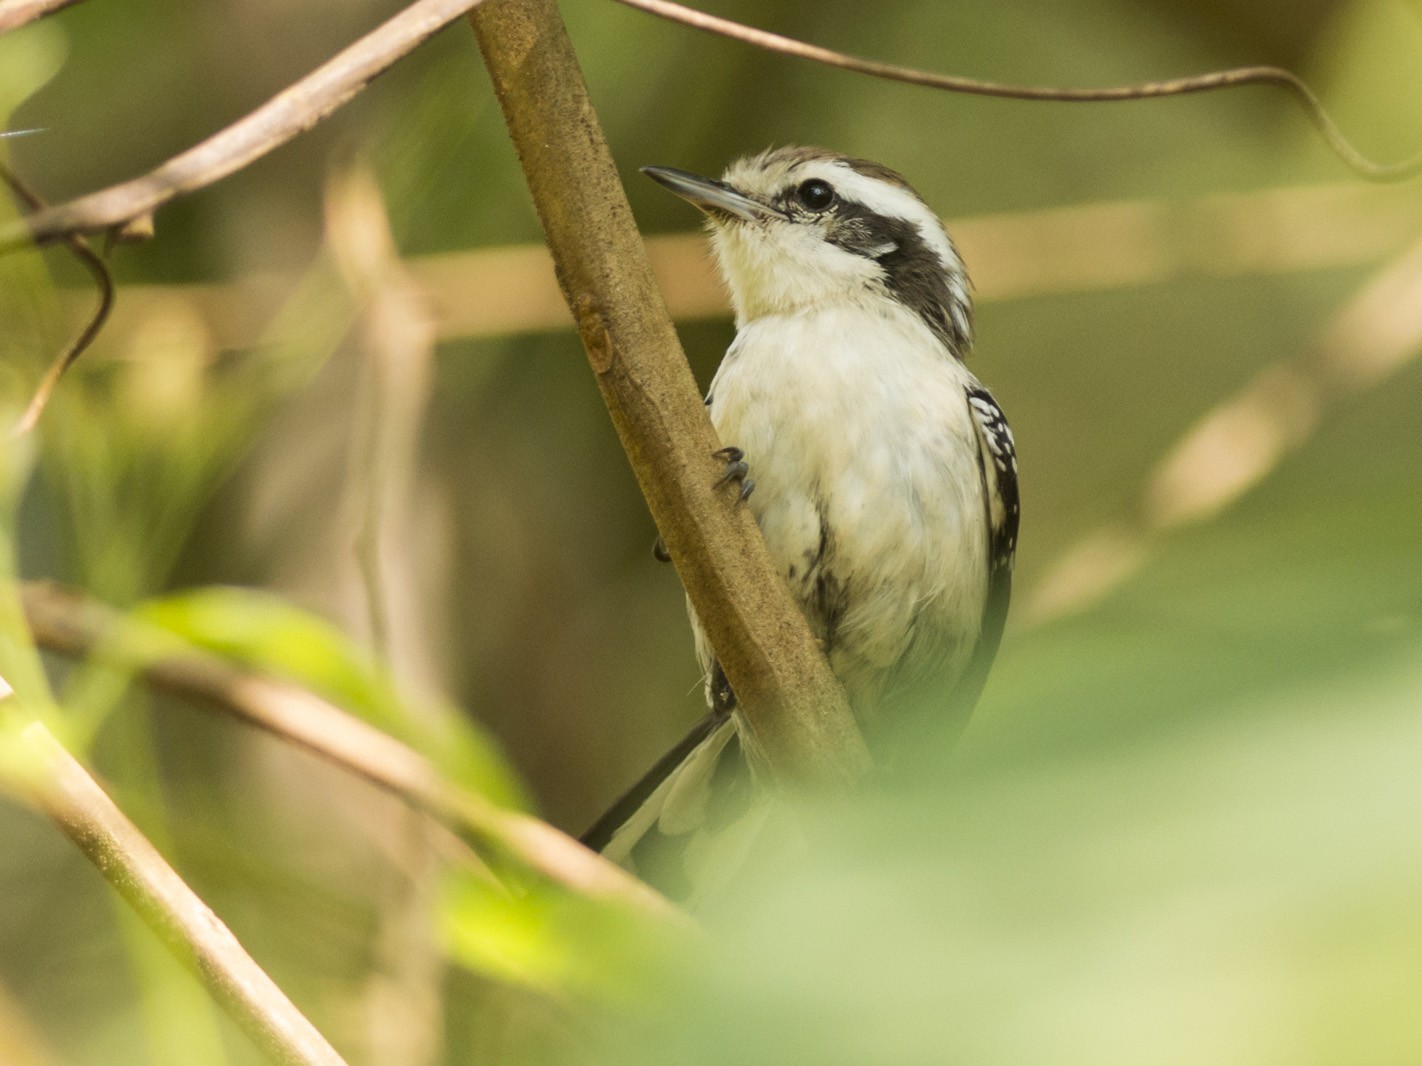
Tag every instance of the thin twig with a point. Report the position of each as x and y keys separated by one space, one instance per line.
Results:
x=396 y=337
x=195 y=935
x=794 y=705
x=395 y=343
x=71 y=624
x=1220 y=79
x=292 y=111
x=17 y=13
x=62 y=362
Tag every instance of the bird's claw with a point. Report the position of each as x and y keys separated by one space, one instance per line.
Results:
x=736 y=470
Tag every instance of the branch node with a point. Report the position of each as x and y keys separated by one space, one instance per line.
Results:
x=135 y=230
x=592 y=327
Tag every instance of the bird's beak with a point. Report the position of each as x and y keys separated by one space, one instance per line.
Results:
x=716 y=198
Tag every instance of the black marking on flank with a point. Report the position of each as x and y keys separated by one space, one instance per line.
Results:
x=827 y=597
x=821 y=549
x=829 y=600
x=723 y=698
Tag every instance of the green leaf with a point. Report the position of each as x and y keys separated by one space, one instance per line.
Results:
x=264 y=632
x=553 y=941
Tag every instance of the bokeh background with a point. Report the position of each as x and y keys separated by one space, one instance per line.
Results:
x=1186 y=823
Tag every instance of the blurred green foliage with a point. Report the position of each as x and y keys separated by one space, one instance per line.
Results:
x=267 y=634
x=1185 y=825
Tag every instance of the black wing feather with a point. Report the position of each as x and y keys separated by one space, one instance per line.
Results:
x=598 y=836
x=997 y=466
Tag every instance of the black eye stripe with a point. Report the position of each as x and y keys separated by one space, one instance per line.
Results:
x=913 y=273
x=859 y=229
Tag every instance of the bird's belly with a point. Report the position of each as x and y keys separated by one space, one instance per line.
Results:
x=867 y=491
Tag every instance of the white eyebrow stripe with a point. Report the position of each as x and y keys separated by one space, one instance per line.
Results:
x=895 y=201
x=884 y=198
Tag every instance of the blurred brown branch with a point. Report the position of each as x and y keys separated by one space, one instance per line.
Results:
x=71 y=624
x=1077 y=248
x=792 y=701
x=129 y=207
x=1221 y=79
x=16 y=13
x=394 y=341
x=1244 y=437
x=397 y=338
x=86 y=815
x=65 y=359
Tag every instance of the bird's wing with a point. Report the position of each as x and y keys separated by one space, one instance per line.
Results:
x=997 y=466
x=635 y=798
x=686 y=827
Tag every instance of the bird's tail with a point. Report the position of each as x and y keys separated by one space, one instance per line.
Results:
x=687 y=824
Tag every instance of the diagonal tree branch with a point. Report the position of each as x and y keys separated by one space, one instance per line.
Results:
x=71 y=624
x=85 y=814
x=792 y=701
x=1220 y=79
x=129 y=207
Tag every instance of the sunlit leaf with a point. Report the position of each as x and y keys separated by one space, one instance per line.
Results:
x=264 y=632
x=550 y=940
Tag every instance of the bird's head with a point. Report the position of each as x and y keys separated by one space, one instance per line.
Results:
x=798 y=228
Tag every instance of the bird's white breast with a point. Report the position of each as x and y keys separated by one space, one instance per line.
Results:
x=855 y=424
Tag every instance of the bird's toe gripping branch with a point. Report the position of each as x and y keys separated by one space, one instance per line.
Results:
x=736 y=471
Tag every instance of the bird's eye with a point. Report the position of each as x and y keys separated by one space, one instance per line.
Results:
x=815 y=194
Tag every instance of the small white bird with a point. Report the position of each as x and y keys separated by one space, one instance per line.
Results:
x=885 y=477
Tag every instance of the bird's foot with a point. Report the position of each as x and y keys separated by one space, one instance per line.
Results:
x=736 y=470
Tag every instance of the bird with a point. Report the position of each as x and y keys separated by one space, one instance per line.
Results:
x=882 y=473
